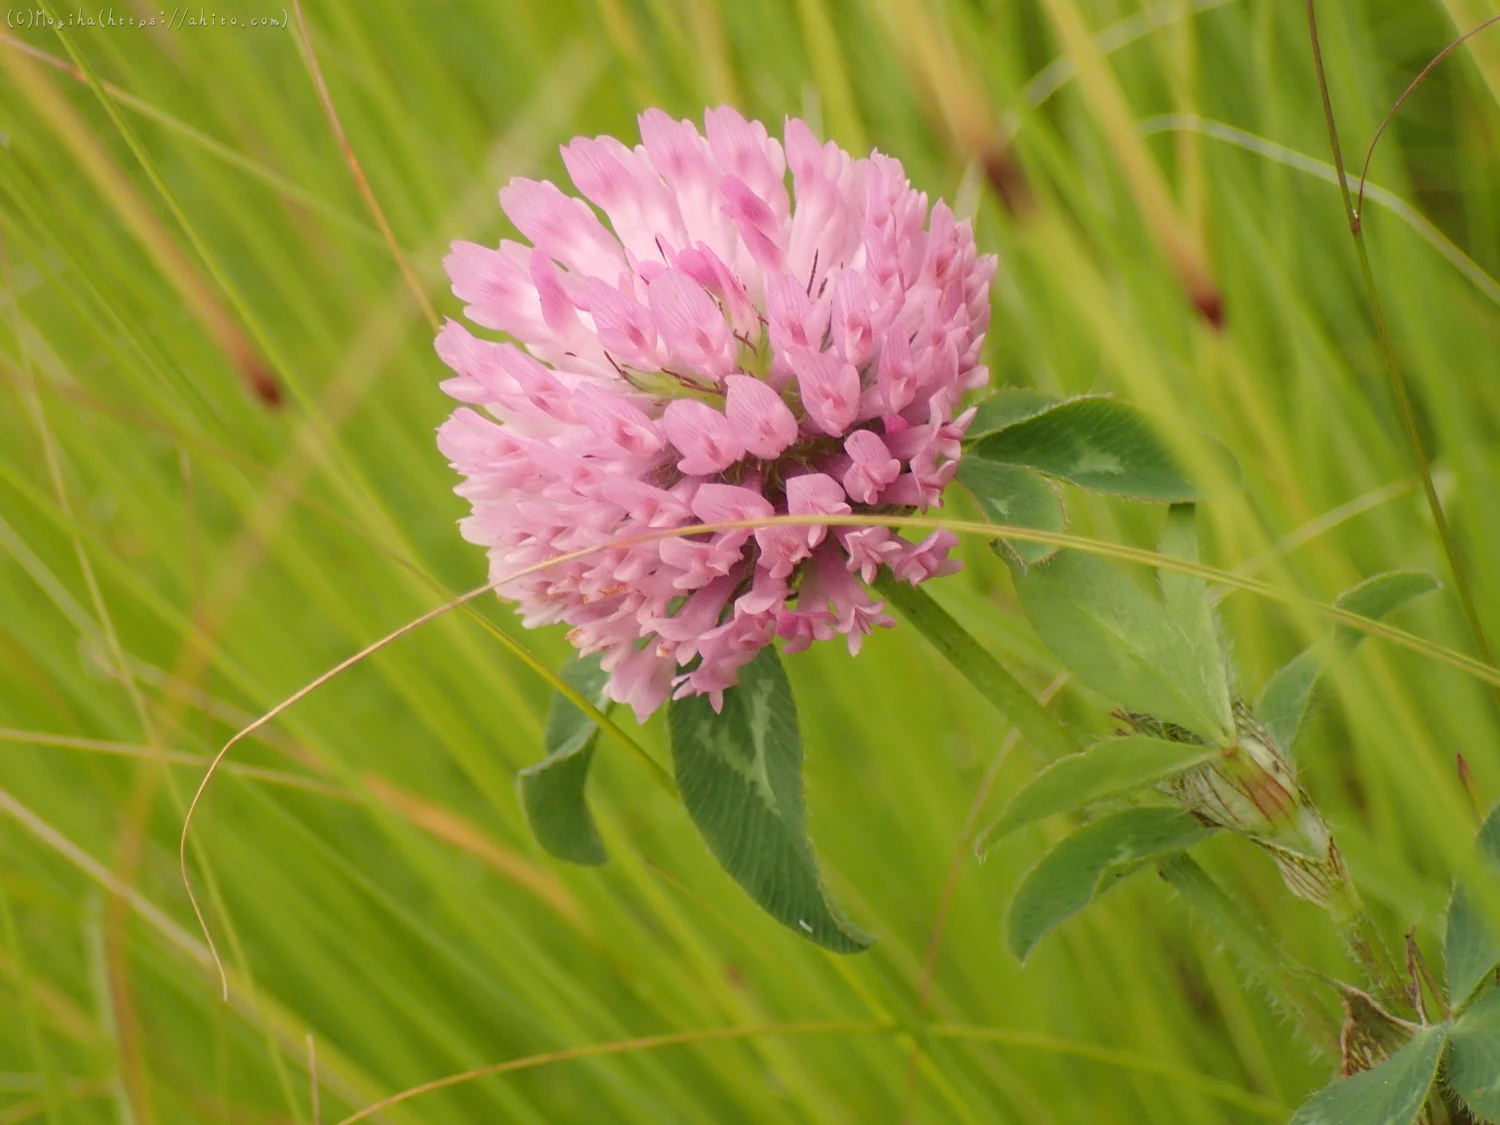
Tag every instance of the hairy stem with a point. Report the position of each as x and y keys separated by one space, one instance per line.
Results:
x=1363 y=938
x=1257 y=952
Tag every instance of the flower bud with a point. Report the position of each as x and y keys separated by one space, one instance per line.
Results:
x=1249 y=789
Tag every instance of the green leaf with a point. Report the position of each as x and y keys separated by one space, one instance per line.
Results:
x=740 y=772
x=1018 y=497
x=552 y=790
x=1088 y=863
x=1094 y=442
x=1004 y=409
x=1120 y=642
x=1188 y=606
x=1474 y=1057
x=1111 y=768
x=1389 y=1094
x=1471 y=946
x=1286 y=700
x=1381 y=595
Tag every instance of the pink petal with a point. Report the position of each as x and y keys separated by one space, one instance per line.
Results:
x=562 y=226
x=501 y=375
x=783 y=546
x=725 y=650
x=830 y=391
x=826 y=224
x=815 y=494
x=458 y=348
x=557 y=308
x=699 y=563
x=764 y=423
x=617 y=420
x=640 y=207
x=805 y=624
x=625 y=328
x=853 y=332
x=804 y=152
x=745 y=151
x=768 y=594
x=828 y=584
x=928 y=559
x=540 y=386
x=691 y=323
x=870 y=548
x=708 y=270
x=698 y=614
x=652 y=506
x=704 y=437
x=873 y=469
x=796 y=320
x=683 y=159
x=677 y=150
x=894 y=376
x=498 y=289
x=642 y=680
x=754 y=221
x=730 y=503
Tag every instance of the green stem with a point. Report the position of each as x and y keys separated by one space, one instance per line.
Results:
x=1258 y=953
x=1011 y=697
x=1388 y=351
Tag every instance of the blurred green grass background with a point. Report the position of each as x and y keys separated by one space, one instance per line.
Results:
x=182 y=231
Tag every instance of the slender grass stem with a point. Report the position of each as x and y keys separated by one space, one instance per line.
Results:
x=1393 y=370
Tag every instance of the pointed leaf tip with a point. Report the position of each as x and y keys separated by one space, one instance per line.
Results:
x=1381 y=595
x=740 y=773
x=1112 y=768
x=1088 y=863
x=1286 y=700
x=552 y=790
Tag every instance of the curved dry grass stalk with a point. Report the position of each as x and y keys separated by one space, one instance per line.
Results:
x=628 y=1046
x=1364 y=172
x=1125 y=1060
x=1119 y=551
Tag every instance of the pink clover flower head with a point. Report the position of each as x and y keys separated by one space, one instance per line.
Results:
x=724 y=349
